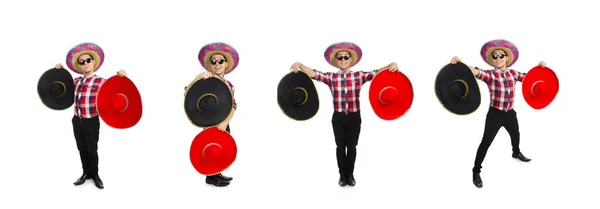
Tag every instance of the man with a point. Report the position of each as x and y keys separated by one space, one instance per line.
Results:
x=86 y=59
x=501 y=82
x=345 y=88
x=219 y=59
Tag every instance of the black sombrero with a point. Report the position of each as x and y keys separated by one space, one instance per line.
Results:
x=457 y=89
x=208 y=102
x=297 y=96
x=57 y=89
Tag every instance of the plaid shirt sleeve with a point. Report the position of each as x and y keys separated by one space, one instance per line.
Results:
x=368 y=76
x=232 y=94
x=484 y=75
x=322 y=77
x=519 y=75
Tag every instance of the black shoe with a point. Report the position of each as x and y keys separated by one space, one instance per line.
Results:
x=520 y=157
x=82 y=179
x=226 y=178
x=343 y=181
x=351 y=180
x=477 y=180
x=98 y=182
x=216 y=181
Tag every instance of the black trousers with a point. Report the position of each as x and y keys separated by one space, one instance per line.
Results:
x=228 y=131
x=346 y=129
x=494 y=120
x=87 y=132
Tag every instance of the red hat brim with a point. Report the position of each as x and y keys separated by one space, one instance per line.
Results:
x=540 y=87
x=404 y=94
x=119 y=102
x=217 y=137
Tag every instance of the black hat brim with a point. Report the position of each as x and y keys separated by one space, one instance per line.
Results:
x=61 y=77
x=203 y=118
x=443 y=89
x=287 y=84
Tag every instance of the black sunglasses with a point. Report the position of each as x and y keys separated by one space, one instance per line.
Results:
x=344 y=57
x=82 y=62
x=496 y=56
x=214 y=62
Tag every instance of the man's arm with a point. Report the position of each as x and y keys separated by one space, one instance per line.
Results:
x=308 y=71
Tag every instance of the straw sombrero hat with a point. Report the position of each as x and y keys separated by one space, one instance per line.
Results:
x=353 y=49
x=510 y=49
x=85 y=48
x=224 y=49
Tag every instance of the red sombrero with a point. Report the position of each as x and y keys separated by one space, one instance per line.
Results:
x=119 y=102
x=212 y=151
x=391 y=94
x=540 y=87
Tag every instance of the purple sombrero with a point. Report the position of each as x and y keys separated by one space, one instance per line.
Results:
x=224 y=49
x=85 y=48
x=352 y=48
x=510 y=49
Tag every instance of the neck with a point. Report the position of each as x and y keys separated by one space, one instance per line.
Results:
x=89 y=74
x=345 y=70
x=501 y=68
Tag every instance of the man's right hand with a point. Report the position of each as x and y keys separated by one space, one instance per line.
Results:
x=204 y=75
x=58 y=66
x=296 y=67
x=455 y=60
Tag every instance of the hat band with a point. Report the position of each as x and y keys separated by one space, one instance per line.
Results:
x=214 y=153
x=305 y=95
x=466 y=87
x=120 y=102
x=200 y=99
x=386 y=100
x=536 y=89
x=64 y=87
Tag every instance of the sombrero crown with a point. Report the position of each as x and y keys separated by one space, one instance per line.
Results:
x=353 y=49
x=224 y=49
x=509 y=48
x=85 y=48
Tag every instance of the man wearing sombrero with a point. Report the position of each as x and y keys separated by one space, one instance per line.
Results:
x=219 y=59
x=86 y=59
x=501 y=81
x=345 y=87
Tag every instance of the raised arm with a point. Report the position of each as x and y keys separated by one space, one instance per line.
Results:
x=306 y=70
x=475 y=71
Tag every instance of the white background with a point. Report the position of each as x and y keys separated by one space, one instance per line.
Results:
x=422 y=160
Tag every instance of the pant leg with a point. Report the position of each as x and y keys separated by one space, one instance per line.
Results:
x=81 y=146
x=228 y=131
x=92 y=136
x=493 y=122
x=352 y=136
x=511 y=124
x=340 y=142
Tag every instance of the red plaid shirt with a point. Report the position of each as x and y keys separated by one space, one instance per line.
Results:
x=232 y=93
x=86 y=92
x=501 y=84
x=345 y=88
